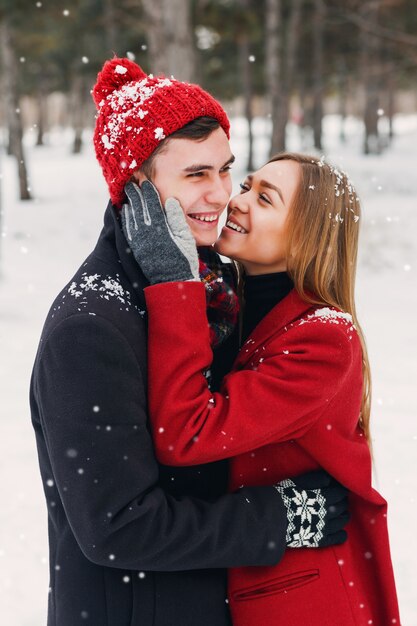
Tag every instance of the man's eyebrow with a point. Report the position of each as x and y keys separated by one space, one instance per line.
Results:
x=198 y=167
x=268 y=185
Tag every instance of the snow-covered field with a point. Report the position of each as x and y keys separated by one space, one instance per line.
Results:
x=44 y=241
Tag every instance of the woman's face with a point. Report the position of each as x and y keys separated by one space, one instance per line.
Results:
x=255 y=230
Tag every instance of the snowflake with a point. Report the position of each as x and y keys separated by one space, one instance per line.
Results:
x=89 y=282
x=159 y=133
x=303 y=538
x=112 y=288
x=306 y=507
x=106 y=142
x=106 y=288
x=72 y=289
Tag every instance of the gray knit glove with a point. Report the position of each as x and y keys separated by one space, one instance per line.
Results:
x=160 y=240
x=316 y=510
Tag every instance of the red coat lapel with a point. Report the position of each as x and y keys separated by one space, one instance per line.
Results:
x=284 y=313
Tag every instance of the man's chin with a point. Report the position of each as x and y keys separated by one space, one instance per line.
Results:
x=205 y=240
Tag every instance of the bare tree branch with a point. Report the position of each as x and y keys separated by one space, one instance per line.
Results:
x=380 y=31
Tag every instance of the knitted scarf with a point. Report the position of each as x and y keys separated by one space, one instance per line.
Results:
x=222 y=302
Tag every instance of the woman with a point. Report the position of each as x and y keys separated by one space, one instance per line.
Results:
x=298 y=396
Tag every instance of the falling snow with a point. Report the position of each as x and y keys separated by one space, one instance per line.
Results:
x=388 y=261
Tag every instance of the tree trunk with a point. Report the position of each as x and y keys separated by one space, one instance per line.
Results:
x=342 y=91
x=391 y=101
x=273 y=44
x=110 y=26
x=246 y=73
x=41 y=101
x=318 y=86
x=10 y=128
x=390 y=85
x=281 y=72
x=170 y=38
x=77 y=102
x=303 y=117
x=12 y=103
x=371 y=71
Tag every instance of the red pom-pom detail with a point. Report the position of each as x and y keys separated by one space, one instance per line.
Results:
x=115 y=74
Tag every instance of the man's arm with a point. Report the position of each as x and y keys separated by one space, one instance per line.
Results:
x=93 y=409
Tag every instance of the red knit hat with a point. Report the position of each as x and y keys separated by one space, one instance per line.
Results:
x=136 y=112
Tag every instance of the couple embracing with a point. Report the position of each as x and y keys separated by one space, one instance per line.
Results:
x=205 y=455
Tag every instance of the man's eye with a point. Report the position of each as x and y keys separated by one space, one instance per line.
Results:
x=226 y=169
x=195 y=175
x=243 y=187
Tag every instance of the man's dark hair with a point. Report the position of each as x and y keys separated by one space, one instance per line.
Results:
x=197 y=130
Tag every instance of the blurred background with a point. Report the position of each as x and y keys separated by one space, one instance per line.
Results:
x=328 y=77
x=290 y=61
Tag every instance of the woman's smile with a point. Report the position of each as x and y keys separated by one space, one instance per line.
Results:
x=255 y=230
x=233 y=225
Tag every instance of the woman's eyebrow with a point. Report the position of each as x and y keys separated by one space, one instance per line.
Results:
x=268 y=185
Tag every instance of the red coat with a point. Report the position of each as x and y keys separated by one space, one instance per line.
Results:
x=290 y=405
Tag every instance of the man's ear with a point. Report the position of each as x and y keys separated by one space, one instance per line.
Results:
x=138 y=177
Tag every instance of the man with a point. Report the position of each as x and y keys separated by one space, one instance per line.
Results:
x=133 y=542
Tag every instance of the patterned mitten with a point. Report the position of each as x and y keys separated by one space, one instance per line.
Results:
x=317 y=510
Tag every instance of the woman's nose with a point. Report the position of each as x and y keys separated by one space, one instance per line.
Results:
x=239 y=203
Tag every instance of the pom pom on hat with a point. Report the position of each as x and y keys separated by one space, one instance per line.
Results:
x=136 y=112
x=115 y=74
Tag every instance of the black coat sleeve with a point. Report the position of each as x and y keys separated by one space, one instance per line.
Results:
x=92 y=404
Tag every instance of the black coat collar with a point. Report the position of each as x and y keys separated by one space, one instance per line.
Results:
x=112 y=247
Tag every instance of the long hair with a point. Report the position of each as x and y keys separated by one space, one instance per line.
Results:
x=322 y=232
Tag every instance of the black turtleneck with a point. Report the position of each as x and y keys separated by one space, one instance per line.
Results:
x=261 y=294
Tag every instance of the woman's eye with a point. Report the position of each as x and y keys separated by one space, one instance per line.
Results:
x=264 y=198
x=243 y=187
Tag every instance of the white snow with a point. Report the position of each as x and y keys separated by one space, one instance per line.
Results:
x=327 y=314
x=159 y=133
x=106 y=142
x=46 y=240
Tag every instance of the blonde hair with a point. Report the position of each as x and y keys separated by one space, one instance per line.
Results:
x=322 y=246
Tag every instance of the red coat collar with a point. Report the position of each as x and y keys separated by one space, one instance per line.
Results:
x=291 y=308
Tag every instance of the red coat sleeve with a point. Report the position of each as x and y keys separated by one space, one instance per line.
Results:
x=294 y=381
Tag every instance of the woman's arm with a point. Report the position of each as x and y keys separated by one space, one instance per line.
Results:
x=280 y=400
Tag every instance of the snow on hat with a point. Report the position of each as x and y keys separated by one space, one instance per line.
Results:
x=136 y=112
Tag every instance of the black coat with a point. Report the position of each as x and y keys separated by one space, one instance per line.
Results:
x=131 y=542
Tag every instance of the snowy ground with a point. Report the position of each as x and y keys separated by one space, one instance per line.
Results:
x=44 y=241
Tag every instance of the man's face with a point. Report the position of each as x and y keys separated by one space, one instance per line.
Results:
x=197 y=174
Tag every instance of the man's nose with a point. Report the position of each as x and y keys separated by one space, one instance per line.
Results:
x=218 y=192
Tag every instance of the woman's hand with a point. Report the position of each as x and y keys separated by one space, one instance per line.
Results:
x=160 y=240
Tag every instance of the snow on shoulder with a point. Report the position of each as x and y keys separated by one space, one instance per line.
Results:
x=332 y=315
x=328 y=315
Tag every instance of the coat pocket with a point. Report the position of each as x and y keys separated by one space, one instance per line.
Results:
x=279 y=584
